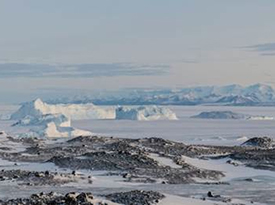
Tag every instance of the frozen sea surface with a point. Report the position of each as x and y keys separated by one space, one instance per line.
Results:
x=188 y=130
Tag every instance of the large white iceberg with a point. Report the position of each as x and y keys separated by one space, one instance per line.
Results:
x=145 y=113
x=39 y=108
x=46 y=120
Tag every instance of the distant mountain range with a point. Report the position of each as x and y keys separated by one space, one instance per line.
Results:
x=235 y=95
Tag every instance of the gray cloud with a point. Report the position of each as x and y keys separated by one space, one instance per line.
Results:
x=79 y=70
x=268 y=54
x=190 y=61
x=266 y=49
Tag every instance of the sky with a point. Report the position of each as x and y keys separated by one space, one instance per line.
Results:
x=52 y=48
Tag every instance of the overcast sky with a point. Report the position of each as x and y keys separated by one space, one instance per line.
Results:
x=53 y=46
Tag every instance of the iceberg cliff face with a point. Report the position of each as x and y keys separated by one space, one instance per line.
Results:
x=58 y=119
x=145 y=113
x=38 y=108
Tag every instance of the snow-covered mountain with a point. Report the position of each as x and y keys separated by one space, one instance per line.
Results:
x=258 y=94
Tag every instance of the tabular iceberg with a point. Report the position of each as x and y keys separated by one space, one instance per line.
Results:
x=145 y=113
x=38 y=108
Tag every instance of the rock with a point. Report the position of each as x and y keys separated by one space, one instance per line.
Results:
x=84 y=197
x=232 y=162
x=249 y=180
x=126 y=175
x=209 y=194
x=260 y=142
x=54 y=198
x=137 y=197
x=220 y=115
x=37 y=174
x=70 y=198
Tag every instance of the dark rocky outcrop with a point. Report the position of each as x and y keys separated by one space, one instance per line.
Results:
x=137 y=197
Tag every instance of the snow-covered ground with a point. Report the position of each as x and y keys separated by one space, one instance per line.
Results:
x=176 y=194
x=225 y=132
x=176 y=200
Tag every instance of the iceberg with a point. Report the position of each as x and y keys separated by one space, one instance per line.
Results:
x=38 y=108
x=52 y=121
x=145 y=113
